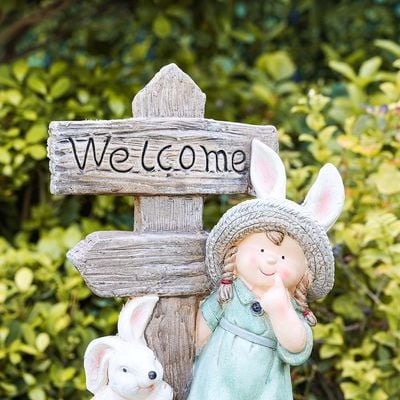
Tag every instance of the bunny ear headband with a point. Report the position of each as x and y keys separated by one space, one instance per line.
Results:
x=306 y=223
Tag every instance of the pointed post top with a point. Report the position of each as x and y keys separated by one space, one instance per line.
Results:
x=171 y=93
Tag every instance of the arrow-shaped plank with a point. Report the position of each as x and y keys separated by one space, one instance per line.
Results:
x=117 y=264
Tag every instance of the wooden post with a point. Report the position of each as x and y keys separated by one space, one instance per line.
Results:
x=168 y=156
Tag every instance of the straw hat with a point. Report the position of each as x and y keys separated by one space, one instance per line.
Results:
x=306 y=223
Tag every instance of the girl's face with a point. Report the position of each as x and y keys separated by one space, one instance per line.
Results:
x=258 y=260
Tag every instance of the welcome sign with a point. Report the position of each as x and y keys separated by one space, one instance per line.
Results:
x=152 y=155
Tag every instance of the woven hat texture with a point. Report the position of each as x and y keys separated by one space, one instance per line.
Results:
x=282 y=215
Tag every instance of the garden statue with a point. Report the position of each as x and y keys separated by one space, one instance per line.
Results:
x=122 y=367
x=267 y=258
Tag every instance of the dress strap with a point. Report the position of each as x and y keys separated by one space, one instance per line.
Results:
x=249 y=336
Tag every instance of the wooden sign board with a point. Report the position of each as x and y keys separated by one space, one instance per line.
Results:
x=153 y=155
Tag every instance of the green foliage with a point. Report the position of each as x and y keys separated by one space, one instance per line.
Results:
x=359 y=132
x=326 y=75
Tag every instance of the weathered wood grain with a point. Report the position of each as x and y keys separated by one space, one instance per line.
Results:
x=171 y=332
x=152 y=156
x=171 y=93
x=168 y=214
x=118 y=264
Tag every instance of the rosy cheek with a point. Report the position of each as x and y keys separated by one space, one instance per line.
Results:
x=285 y=274
x=253 y=259
x=247 y=259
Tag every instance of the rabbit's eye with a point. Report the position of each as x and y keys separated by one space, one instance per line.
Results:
x=124 y=370
x=262 y=250
x=283 y=257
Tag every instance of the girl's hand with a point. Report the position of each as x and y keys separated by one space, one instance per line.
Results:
x=276 y=300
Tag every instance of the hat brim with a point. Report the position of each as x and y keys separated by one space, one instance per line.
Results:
x=285 y=216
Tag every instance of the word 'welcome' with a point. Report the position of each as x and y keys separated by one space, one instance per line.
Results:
x=149 y=157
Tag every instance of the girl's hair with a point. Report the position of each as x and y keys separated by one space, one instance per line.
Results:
x=225 y=292
x=300 y=295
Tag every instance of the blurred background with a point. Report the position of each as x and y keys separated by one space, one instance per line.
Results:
x=326 y=73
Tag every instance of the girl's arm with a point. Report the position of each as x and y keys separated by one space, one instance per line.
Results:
x=287 y=326
x=203 y=331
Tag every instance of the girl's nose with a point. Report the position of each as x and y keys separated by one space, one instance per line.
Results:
x=271 y=260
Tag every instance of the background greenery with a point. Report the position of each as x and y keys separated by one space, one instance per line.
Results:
x=325 y=73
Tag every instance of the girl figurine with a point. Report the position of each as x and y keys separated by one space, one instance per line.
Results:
x=267 y=258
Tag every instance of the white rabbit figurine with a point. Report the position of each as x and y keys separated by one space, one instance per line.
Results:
x=122 y=367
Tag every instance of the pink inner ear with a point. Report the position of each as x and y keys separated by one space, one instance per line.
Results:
x=323 y=204
x=94 y=366
x=266 y=173
x=137 y=318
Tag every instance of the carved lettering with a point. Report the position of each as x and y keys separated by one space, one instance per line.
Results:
x=216 y=155
x=167 y=158
x=90 y=143
x=239 y=160
x=119 y=161
x=181 y=158
x=149 y=169
x=164 y=168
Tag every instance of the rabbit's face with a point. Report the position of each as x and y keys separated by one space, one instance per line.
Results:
x=134 y=372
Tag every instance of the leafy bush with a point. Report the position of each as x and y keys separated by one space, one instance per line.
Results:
x=359 y=132
x=258 y=64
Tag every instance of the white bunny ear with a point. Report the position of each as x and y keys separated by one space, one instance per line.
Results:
x=134 y=317
x=96 y=359
x=325 y=199
x=267 y=172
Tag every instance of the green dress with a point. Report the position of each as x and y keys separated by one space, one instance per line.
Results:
x=232 y=368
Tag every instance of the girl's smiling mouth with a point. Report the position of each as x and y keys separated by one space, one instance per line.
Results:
x=273 y=273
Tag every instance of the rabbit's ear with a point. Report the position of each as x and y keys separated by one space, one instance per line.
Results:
x=325 y=199
x=134 y=317
x=267 y=172
x=97 y=356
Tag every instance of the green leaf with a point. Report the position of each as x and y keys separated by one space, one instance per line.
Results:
x=328 y=351
x=58 y=68
x=3 y=292
x=116 y=104
x=343 y=69
x=346 y=306
x=162 y=27
x=36 y=133
x=352 y=391
x=29 y=115
x=5 y=156
x=13 y=96
x=42 y=341
x=388 y=45
x=318 y=102
x=37 y=393
x=370 y=67
x=60 y=87
x=387 y=179
x=37 y=84
x=315 y=121
x=20 y=69
x=263 y=93
x=67 y=374
x=23 y=279
x=37 y=151
x=279 y=65
x=72 y=236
